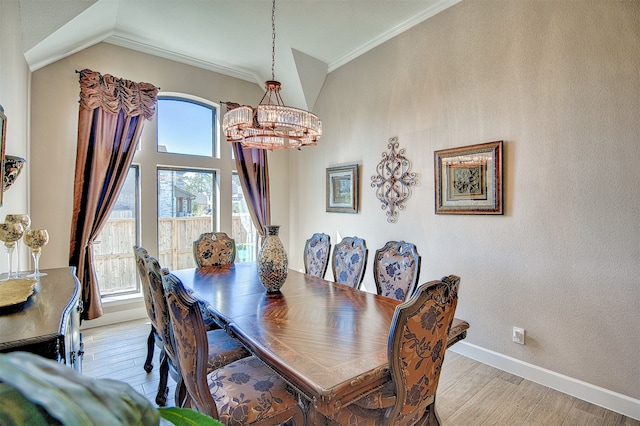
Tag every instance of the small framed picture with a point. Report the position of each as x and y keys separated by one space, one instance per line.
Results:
x=468 y=180
x=3 y=135
x=342 y=189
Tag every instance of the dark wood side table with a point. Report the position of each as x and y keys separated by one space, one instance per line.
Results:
x=49 y=323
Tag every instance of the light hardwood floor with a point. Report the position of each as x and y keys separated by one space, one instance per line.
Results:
x=469 y=393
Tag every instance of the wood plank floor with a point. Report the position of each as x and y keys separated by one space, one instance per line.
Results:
x=469 y=393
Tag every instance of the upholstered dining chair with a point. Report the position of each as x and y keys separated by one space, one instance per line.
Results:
x=214 y=249
x=140 y=255
x=316 y=255
x=416 y=349
x=222 y=348
x=244 y=392
x=396 y=269
x=349 y=261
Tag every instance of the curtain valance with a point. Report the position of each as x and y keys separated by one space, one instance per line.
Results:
x=116 y=94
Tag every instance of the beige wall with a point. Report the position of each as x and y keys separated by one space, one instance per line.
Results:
x=14 y=97
x=559 y=82
x=54 y=115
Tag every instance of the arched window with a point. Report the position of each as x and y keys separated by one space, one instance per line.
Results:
x=183 y=183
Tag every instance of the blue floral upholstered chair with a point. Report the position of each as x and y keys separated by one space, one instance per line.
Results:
x=349 y=261
x=417 y=344
x=244 y=392
x=316 y=255
x=222 y=348
x=396 y=269
x=214 y=249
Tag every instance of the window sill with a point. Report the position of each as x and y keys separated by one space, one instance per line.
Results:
x=122 y=299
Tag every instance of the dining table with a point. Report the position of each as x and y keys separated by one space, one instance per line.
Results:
x=328 y=341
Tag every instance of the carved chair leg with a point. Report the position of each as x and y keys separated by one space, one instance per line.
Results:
x=431 y=416
x=151 y=341
x=163 y=389
x=181 y=395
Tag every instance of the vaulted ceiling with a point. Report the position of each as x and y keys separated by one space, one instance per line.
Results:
x=232 y=37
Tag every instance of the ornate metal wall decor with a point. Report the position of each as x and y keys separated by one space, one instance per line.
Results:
x=394 y=180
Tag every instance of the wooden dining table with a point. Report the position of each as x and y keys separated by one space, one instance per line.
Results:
x=327 y=340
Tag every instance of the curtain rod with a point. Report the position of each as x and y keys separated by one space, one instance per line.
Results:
x=78 y=72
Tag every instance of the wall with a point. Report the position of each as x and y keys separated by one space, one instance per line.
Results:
x=559 y=82
x=54 y=110
x=14 y=98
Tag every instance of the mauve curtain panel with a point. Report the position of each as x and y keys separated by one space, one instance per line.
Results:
x=253 y=173
x=110 y=120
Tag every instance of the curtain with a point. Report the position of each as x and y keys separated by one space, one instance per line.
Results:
x=110 y=121
x=253 y=173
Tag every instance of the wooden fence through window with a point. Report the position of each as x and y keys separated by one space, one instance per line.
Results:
x=115 y=264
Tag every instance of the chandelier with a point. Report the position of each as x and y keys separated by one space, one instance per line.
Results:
x=272 y=124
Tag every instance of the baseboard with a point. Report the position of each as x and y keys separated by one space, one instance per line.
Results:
x=610 y=400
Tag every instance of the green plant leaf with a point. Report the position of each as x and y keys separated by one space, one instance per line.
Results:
x=17 y=410
x=74 y=399
x=187 y=417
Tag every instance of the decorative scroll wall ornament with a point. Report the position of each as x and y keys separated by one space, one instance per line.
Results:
x=394 y=180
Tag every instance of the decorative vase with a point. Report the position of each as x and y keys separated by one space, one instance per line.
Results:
x=272 y=261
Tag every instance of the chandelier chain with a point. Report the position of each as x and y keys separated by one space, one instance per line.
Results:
x=273 y=40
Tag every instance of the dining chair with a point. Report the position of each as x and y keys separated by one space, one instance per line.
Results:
x=416 y=349
x=316 y=255
x=349 y=261
x=396 y=269
x=140 y=254
x=214 y=249
x=244 y=392
x=222 y=348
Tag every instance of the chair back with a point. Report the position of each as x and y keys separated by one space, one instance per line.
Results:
x=214 y=249
x=349 y=261
x=190 y=338
x=417 y=344
x=316 y=255
x=396 y=269
x=141 y=255
x=155 y=273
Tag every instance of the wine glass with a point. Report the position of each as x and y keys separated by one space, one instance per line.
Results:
x=25 y=220
x=35 y=239
x=10 y=233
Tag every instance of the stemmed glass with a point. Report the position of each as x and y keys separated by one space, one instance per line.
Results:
x=10 y=233
x=35 y=239
x=25 y=220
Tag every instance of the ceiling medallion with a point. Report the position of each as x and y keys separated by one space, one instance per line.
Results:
x=394 y=180
x=272 y=124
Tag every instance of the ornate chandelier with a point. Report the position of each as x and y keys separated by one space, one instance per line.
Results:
x=272 y=124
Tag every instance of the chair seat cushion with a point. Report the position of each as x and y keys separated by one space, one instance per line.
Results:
x=223 y=349
x=258 y=394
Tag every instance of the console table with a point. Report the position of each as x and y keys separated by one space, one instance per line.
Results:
x=49 y=322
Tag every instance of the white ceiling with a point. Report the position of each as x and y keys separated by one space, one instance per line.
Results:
x=232 y=37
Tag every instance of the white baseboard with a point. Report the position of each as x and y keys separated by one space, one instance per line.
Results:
x=610 y=400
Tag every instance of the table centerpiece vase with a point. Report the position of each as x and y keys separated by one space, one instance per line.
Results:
x=272 y=261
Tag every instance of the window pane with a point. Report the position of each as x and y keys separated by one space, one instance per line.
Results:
x=185 y=127
x=244 y=231
x=186 y=209
x=113 y=255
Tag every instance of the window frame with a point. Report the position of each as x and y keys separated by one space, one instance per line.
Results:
x=148 y=160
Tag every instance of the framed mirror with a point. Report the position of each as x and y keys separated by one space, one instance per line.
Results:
x=3 y=133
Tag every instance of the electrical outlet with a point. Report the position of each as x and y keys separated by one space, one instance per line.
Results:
x=518 y=335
